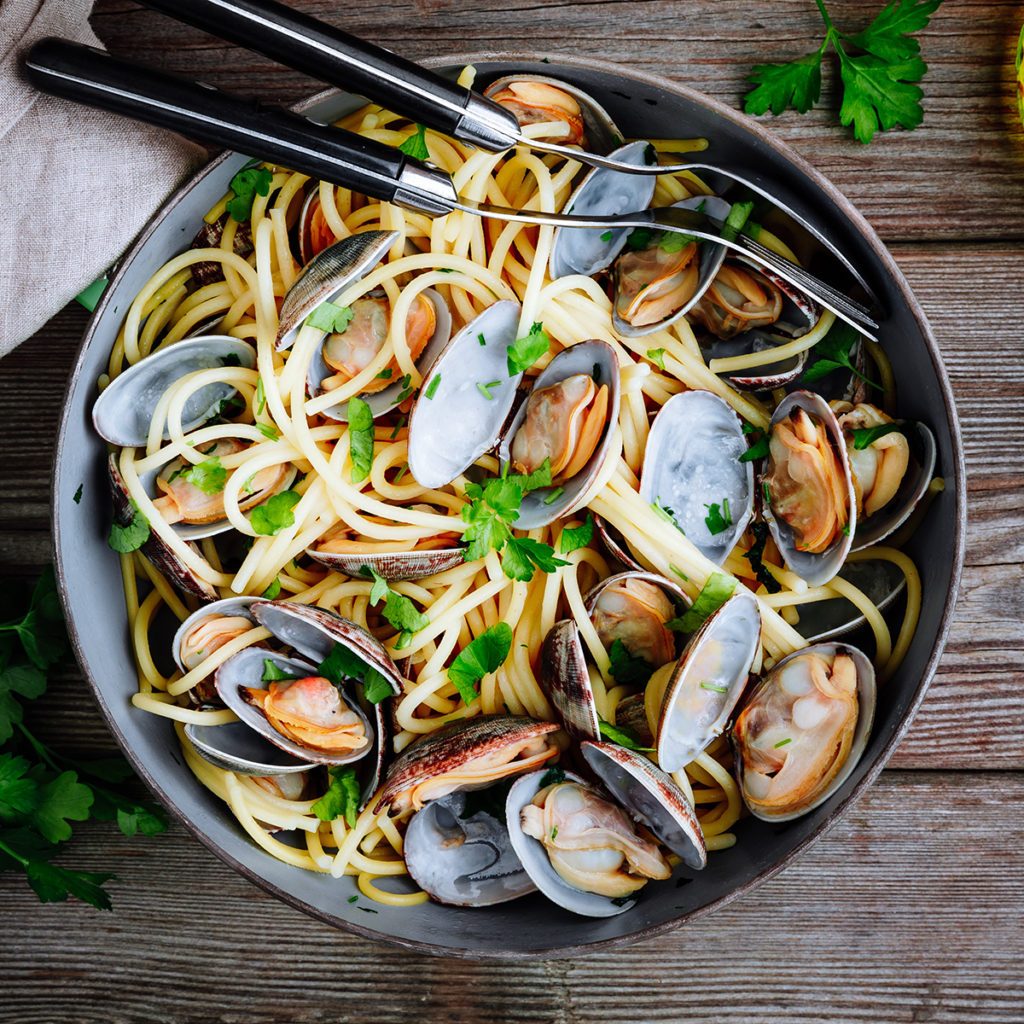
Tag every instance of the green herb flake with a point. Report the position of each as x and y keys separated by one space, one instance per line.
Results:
x=525 y=351
x=628 y=668
x=624 y=737
x=865 y=437
x=269 y=432
x=273 y=673
x=275 y=514
x=480 y=657
x=782 y=743
x=554 y=496
x=606 y=236
x=385 y=374
x=261 y=397
x=273 y=592
x=341 y=799
x=758 y=444
x=554 y=776
x=718 y=589
x=714 y=688
x=360 y=438
x=735 y=221
x=657 y=356
x=78 y=494
x=416 y=145
x=718 y=519
x=664 y=512
x=399 y=610
x=131 y=536
x=577 y=537
x=208 y=476
x=329 y=318
x=341 y=664
x=246 y=185
x=481 y=341
x=833 y=352
x=679 y=572
x=755 y=556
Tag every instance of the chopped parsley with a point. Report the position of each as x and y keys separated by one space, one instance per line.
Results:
x=273 y=592
x=627 y=668
x=606 y=236
x=480 y=657
x=525 y=351
x=624 y=737
x=274 y=514
x=657 y=356
x=269 y=432
x=78 y=494
x=481 y=340
x=833 y=352
x=714 y=688
x=755 y=556
x=782 y=743
x=360 y=438
x=865 y=437
x=261 y=397
x=416 y=145
x=718 y=519
x=435 y=383
x=718 y=589
x=664 y=512
x=554 y=776
x=329 y=318
x=342 y=664
x=131 y=536
x=485 y=389
x=758 y=443
x=341 y=799
x=246 y=185
x=739 y=214
x=208 y=476
x=399 y=610
x=273 y=673
x=385 y=374
x=576 y=537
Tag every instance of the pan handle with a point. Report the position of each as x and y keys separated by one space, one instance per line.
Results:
x=93 y=77
x=325 y=52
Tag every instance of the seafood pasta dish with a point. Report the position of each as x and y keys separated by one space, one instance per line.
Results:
x=475 y=559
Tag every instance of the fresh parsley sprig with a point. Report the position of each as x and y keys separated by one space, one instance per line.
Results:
x=878 y=69
x=480 y=657
x=835 y=352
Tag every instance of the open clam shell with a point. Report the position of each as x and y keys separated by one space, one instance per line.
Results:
x=226 y=608
x=588 y=251
x=691 y=463
x=815 y=568
x=651 y=797
x=880 y=579
x=446 y=751
x=756 y=726
x=236 y=747
x=768 y=377
x=598 y=360
x=708 y=680
x=709 y=256
x=123 y=411
x=565 y=671
x=601 y=133
x=923 y=454
x=154 y=549
x=454 y=421
x=392 y=565
x=327 y=275
x=381 y=402
x=245 y=670
x=462 y=858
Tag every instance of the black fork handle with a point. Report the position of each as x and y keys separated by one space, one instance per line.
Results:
x=93 y=77
x=325 y=52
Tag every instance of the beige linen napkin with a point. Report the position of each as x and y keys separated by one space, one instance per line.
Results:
x=76 y=184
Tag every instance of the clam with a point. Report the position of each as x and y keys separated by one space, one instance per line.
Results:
x=346 y=353
x=206 y=631
x=588 y=251
x=154 y=548
x=707 y=681
x=632 y=607
x=692 y=471
x=808 y=488
x=881 y=580
x=123 y=411
x=581 y=847
x=569 y=418
x=771 y=375
x=890 y=474
x=314 y=233
x=327 y=275
x=394 y=560
x=471 y=753
x=196 y=512
x=659 y=275
x=460 y=852
x=803 y=730
x=468 y=385
x=536 y=99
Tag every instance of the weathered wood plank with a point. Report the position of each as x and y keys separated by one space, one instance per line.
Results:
x=906 y=912
x=970 y=145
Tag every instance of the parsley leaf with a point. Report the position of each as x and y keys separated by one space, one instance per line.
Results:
x=718 y=519
x=755 y=556
x=273 y=592
x=131 y=536
x=54 y=885
x=833 y=352
x=758 y=444
x=628 y=669
x=342 y=797
x=865 y=437
x=577 y=537
x=416 y=145
x=329 y=318
x=208 y=476
x=398 y=609
x=778 y=86
x=360 y=438
x=77 y=498
x=657 y=356
x=624 y=737
x=261 y=397
x=552 y=777
x=275 y=513
x=525 y=351
x=521 y=555
x=718 y=589
x=61 y=800
x=343 y=664
x=19 y=794
x=273 y=673
x=269 y=432
x=479 y=658
x=246 y=185
x=435 y=383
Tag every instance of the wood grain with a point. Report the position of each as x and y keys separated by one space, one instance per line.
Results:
x=970 y=147
x=191 y=941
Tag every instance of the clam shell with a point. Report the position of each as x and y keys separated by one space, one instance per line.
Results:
x=866 y=700
x=631 y=714
x=236 y=747
x=692 y=461
x=122 y=413
x=534 y=857
x=597 y=359
x=246 y=669
x=616 y=545
x=313 y=632
x=881 y=580
x=452 y=428
x=394 y=565
x=464 y=861
x=711 y=257
x=815 y=569
x=455 y=744
x=602 y=192
x=327 y=275
x=763 y=378
x=874 y=529
x=382 y=402
x=729 y=638
x=155 y=550
x=602 y=134
x=651 y=797
x=228 y=606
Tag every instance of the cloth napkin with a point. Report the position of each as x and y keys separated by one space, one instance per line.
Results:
x=76 y=184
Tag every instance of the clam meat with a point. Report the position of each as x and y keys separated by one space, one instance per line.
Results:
x=635 y=611
x=878 y=468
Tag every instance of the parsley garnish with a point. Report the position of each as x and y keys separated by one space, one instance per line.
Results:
x=385 y=374
x=865 y=437
x=525 y=351
x=246 y=185
x=878 y=83
x=606 y=236
x=627 y=668
x=416 y=145
x=576 y=537
x=713 y=595
x=674 y=241
x=207 y=476
x=833 y=353
x=360 y=438
x=269 y=432
x=657 y=356
x=664 y=512
x=755 y=556
x=261 y=397
x=274 y=514
x=554 y=776
x=398 y=609
x=329 y=318
x=131 y=536
x=341 y=799
x=342 y=664
x=718 y=519
x=739 y=214
x=435 y=383
x=758 y=443
x=479 y=658
x=782 y=743
x=273 y=592
x=78 y=494
x=481 y=340
x=554 y=496
x=624 y=737
x=273 y=673
x=639 y=238
x=714 y=688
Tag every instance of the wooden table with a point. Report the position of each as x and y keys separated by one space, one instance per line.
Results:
x=910 y=910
